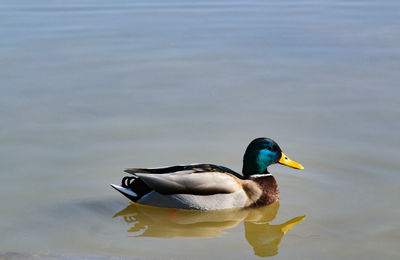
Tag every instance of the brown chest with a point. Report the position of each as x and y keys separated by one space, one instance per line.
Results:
x=270 y=191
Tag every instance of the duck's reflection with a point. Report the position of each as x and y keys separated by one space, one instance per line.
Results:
x=149 y=221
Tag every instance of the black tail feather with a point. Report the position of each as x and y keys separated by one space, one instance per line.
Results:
x=135 y=184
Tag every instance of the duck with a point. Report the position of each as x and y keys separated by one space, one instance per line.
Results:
x=209 y=186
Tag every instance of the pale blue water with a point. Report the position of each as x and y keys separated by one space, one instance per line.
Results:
x=89 y=88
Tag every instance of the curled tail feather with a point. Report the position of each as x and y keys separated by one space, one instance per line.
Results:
x=132 y=187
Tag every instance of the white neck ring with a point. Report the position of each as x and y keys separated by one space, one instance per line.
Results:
x=260 y=175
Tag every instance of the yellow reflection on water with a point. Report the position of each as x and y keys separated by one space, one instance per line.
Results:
x=156 y=222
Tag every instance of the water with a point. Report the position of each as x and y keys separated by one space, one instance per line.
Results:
x=89 y=88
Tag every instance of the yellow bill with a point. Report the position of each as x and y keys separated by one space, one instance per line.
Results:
x=286 y=161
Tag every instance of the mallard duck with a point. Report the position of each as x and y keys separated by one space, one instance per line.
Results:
x=209 y=186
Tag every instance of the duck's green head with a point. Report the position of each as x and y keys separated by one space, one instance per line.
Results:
x=261 y=153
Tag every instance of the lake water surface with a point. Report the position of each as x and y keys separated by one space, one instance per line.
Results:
x=89 y=88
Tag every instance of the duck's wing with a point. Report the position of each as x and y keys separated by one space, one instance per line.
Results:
x=198 y=167
x=196 y=179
